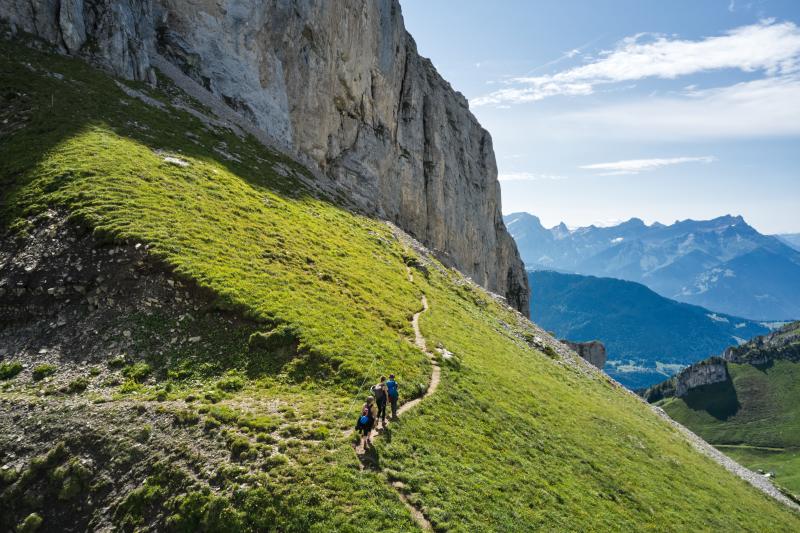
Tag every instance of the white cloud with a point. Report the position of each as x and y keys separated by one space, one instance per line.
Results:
x=528 y=176
x=635 y=166
x=769 y=47
x=759 y=108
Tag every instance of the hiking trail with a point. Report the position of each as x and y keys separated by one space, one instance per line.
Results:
x=366 y=455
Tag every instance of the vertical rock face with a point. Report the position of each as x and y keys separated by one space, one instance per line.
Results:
x=338 y=81
x=592 y=351
x=713 y=370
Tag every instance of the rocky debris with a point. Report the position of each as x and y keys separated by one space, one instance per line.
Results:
x=707 y=372
x=592 y=351
x=178 y=162
x=76 y=302
x=758 y=481
x=340 y=83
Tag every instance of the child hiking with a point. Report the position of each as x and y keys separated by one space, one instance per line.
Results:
x=366 y=421
x=391 y=389
x=381 y=397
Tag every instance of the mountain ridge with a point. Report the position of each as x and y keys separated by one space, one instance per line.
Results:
x=722 y=264
x=646 y=335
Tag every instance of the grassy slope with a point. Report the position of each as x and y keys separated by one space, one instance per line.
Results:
x=512 y=438
x=759 y=409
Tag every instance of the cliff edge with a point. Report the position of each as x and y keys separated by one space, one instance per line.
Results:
x=338 y=83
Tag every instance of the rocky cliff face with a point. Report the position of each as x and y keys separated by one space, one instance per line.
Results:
x=710 y=371
x=592 y=351
x=339 y=83
x=783 y=343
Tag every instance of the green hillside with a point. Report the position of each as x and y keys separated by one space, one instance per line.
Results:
x=754 y=418
x=247 y=429
x=647 y=336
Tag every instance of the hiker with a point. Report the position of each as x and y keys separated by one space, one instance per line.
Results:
x=391 y=389
x=381 y=397
x=366 y=420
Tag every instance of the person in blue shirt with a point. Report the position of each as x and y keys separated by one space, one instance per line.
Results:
x=391 y=389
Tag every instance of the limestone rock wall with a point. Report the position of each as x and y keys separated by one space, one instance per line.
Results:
x=707 y=372
x=592 y=351
x=342 y=84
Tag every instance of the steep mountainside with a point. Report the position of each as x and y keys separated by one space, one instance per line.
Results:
x=753 y=412
x=646 y=335
x=188 y=329
x=722 y=264
x=792 y=239
x=340 y=84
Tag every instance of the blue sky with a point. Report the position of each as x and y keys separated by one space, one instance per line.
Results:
x=605 y=110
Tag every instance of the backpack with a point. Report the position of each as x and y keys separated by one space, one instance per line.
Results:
x=392 y=386
x=379 y=391
x=364 y=419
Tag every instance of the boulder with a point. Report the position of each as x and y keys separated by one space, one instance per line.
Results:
x=592 y=351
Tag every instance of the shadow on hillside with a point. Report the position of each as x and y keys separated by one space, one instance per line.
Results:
x=47 y=100
x=718 y=399
x=763 y=367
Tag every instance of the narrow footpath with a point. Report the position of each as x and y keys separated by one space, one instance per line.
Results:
x=365 y=455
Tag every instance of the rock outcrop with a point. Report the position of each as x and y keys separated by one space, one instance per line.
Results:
x=592 y=351
x=783 y=343
x=707 y=372
x=341 y=84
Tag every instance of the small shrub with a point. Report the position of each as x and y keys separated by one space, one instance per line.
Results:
x=258 y=423
x=137 y=372
x=30 y=524
x=318 y=433
x=42 y=371
x=231 y=382
x=8 y=476
x=274 y=461
x=130 y=386
x=224 y=414
x=161 y=395
x=265 y=438
x=95 y=371
x=211 y=424
x=9 y=370
x=213 y=396
x=78 y=385
x=73 y=478
x=116 y=362
x=239 y=446
x=143 y=433
x=292 y=430
x=186 y=417
x=550 y=352
x=111 y=382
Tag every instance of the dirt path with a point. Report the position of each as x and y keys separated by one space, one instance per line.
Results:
x=366 y=456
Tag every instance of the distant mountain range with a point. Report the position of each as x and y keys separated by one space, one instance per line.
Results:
x=792 y=239
x=722 y=264
x=648 y=337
